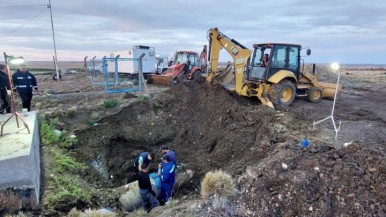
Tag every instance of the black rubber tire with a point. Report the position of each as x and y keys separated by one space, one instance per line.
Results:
x=315 y=94
x=276 y=91
x=197 y=76
x=181 y=78
x=54 y=77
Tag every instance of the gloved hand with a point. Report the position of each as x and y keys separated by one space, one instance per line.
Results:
x=9 y=92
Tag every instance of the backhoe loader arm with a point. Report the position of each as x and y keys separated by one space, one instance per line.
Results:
x=239 y=53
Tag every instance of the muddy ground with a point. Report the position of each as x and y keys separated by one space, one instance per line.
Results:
x=210 y=128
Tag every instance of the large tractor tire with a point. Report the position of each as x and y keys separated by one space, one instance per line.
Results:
x=283 y=93
x=197 y=76
x=315 y=94
x=181 y=78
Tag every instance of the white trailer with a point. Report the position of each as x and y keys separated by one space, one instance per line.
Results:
x=132 y=66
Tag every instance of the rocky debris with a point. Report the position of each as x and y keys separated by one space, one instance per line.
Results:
x=319 y=181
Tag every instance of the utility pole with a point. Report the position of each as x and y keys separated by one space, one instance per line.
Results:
x=53 y=37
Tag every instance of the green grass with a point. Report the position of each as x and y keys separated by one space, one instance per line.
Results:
x=157 y=105
x=110 y=103
x=67 y=142
x=88 y=120
x=143 y=97
x=49 y=137
x=47 y=131
x=63 y=162
x=66 y=188
x=69 y=190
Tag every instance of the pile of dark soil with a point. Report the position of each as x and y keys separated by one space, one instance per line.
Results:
x=209 y=129
x=319 y=181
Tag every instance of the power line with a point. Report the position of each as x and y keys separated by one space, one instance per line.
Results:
x=19 y=6
x=14 y=30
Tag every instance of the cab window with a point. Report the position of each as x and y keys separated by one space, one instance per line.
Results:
x=293 y=58
x=285 y=56
x=278 y=57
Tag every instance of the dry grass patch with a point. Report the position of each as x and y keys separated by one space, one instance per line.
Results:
x=10 y=201
x=90 y=213
x=217 y=183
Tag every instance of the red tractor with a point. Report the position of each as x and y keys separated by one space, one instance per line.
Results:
x=183 y=66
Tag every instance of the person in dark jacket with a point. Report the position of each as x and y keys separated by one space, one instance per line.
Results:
x=4 y=86
x=168 y=178
x=264 y=62
x=24 y=82
x=144 y=157
x=167 y=151
x=148 y=196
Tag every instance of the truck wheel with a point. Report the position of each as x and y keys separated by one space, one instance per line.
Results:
x=282 y=93
x=182 y=78
x=314 y=94
x=197 y=76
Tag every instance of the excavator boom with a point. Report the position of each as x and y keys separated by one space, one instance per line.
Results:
x=240 y=55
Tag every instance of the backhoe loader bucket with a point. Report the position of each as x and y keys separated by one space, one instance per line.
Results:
x=329 y=89
x=162 y=80
x=225 y=76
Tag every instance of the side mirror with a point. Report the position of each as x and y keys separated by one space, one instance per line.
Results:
x=308 y=52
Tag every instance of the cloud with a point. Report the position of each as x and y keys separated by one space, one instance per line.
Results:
x=330 y=27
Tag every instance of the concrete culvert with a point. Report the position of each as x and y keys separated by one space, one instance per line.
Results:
x=131 y=199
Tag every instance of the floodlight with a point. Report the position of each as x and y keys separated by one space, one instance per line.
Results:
x=335 y=66
x=16 y=60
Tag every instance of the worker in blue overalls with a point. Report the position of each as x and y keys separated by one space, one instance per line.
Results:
x=168 y=178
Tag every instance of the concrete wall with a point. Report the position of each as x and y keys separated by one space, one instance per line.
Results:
x=20 y=155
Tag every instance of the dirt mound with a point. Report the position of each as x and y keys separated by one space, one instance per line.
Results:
x=209 y=128
x=319 y=181
x=206 y=126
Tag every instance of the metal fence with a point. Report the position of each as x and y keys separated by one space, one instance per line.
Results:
x=113 y=73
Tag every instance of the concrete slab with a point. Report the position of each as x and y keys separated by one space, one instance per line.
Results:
x=20 y=154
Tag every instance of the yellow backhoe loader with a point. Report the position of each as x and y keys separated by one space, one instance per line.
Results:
x=272 y=72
